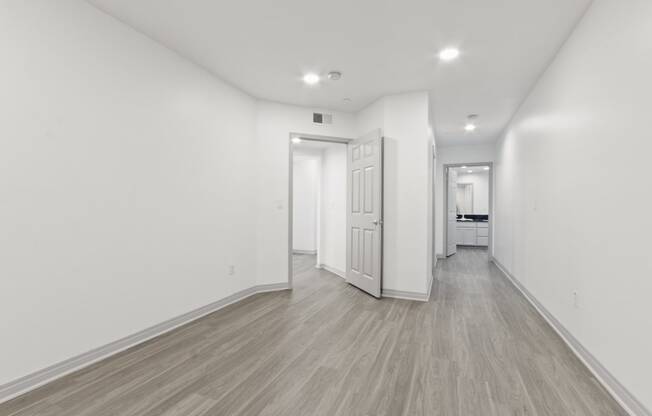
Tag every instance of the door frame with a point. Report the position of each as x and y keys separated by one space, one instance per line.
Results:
x=490 y=248
x=306 y=137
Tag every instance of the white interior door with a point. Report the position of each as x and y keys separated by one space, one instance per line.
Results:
x=451 y=213
x=364 y=242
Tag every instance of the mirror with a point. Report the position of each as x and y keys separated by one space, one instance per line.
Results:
x=465 y=198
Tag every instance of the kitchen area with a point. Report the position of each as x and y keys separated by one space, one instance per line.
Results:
x=468 y=201
x=473 y=230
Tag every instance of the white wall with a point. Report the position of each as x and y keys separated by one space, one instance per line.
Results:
x=132 y=181
x=404 y=121
x=575 y=155
x=274 y=124
x=333 y=208
x=306 y=183
x=432 y=185
x=453 y=155
x=126 y=179
x=404 y=118
x=480 y=182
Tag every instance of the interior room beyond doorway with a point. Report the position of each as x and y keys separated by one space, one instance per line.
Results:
x=468 y=204
x=319 y=183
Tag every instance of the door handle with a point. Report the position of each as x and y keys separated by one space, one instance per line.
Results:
x=376 y=222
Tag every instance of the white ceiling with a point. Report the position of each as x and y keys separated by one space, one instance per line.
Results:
x=314 y=145
x=473 y=169
x=311 y=149
x=381 y=46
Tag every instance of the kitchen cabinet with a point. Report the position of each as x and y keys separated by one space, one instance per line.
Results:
x=472 y=233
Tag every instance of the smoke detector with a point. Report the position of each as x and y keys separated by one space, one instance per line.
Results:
x=334 y=75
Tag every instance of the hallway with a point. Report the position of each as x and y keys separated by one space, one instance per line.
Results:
x=504 y=356
x=326 y=348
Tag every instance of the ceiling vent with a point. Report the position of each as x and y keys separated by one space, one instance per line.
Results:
x=321 y=118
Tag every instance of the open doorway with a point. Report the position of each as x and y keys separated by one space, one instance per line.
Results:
x=319 y=184
x=339 y=228
x=468 y=201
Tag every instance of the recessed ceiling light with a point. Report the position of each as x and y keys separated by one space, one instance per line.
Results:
x=449 y=54
x=463 y=167
x=469 y=171
x=311 y=79
x=296 y=140
x=469 y=127
x=486 y=168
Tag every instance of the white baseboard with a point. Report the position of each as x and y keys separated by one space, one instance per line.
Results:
x=400 y=294
x=431 y=279
x=630 y=403
x=311 y=252
x=333 y=270
x=387 y=293
x=441 y=256
x=272 y=287
x=32 y=381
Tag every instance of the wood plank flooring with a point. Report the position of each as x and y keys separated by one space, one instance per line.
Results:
x=326 y=348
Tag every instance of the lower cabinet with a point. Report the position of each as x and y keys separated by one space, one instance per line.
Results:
x=473 y=233
x=466 y=236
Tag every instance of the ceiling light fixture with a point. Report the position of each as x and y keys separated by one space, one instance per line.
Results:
x=296 y=140
x=463 y=167
x=469 y=171
x=311 y=79
x=486 y=168
x=449 y=54
x=469 y=127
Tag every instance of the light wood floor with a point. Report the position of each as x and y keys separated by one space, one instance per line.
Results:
x=477 y=348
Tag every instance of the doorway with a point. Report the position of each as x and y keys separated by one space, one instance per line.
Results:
x=318 y=220
x=335 y=208
x=468 y=202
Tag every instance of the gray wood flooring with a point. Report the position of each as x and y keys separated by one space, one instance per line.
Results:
x=326 y=348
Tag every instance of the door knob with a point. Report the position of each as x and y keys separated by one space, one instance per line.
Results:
x=376 y=222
